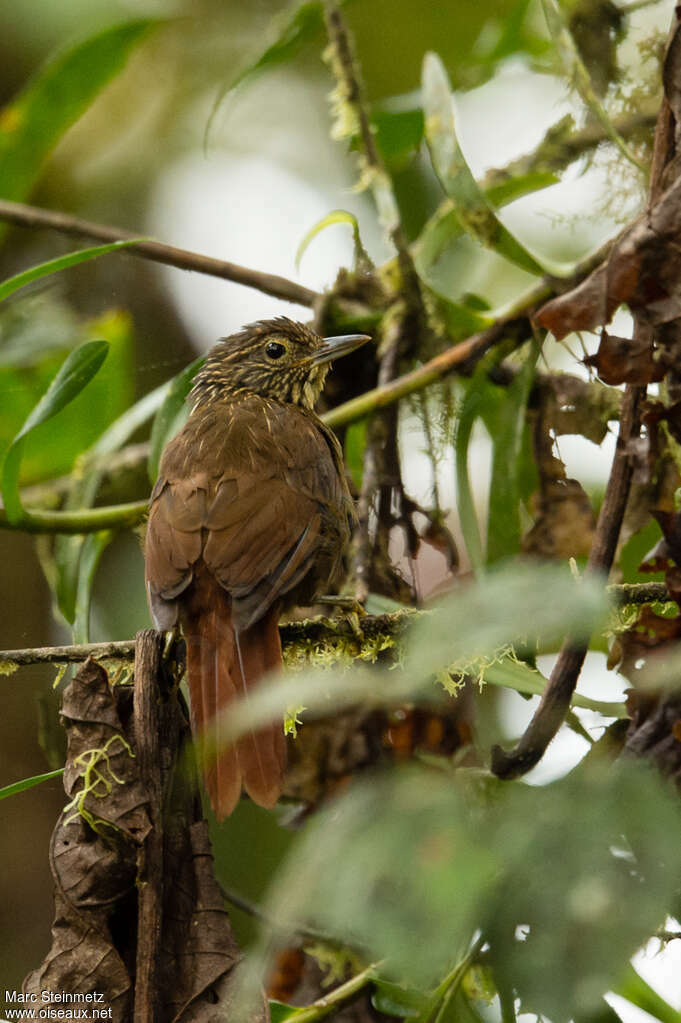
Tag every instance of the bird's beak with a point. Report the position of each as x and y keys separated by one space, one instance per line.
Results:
x=334 y=347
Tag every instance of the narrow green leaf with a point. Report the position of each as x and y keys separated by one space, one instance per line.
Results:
x=639 y=992
x=445 y=226
x=336 y=217
x=472 y=209
x=465 y=503
x=77 y=370
x=93 y=547
x=296 y=26
x=503 y=520
x=517 y=675
x=67 y=549
x=355 y=446
x=32 y=124
x=279 y=1011
x=52 y=266
x=398 y=999
x=171 y=414
x=28 y=783
x=399 y=134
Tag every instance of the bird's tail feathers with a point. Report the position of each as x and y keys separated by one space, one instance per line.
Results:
x=223 y=664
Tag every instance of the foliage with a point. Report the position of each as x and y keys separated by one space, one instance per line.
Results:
x=449 y=883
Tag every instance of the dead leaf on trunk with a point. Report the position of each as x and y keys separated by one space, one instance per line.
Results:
x=621 y=360
x=94 y=862
x=565 y=522
x=643 y=270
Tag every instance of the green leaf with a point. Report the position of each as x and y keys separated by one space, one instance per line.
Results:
x=511 y=602
x=398 y=133
x=279 y=1011
x=75 y=373
x=503 y=520
x=172 y=414
x=52 y=266
x=355 y=446
x=28 y=783
x=68 y=549
x=398 y=999
x=589 y=863
x=32 y=124
x=90 y=555
x=566 y=880
x=517 y=675
x=297 y=25
x=473 y=211
x=336 y=217
x=465 y=503
x=639 y=992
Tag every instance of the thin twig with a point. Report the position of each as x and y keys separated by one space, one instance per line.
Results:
x=302 y=930
x=271 y=284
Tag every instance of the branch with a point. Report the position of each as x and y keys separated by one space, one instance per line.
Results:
x=560 y=146
x=86 y=520
x=555 y=702
x=271 y=284
x=316 y=630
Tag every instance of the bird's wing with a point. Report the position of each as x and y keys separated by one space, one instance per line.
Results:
x=258 y=524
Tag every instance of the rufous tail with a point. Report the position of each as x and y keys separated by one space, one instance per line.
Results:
x=222 y=665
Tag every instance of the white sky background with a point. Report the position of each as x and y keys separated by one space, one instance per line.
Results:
x=256 y=192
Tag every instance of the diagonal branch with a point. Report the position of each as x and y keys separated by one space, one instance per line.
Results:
x=271 y=284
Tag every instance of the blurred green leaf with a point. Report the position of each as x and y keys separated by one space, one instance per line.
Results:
x=294 y=27
x=93 y=547
x=591 y=864
x=511 y=603
x=516 y=187
x=361 y=257
x=470 y=204
x=639 y=992
x=20 y=280
x=503 y=520
x=399 y=134
x=514 y=674
x=172 y=414
x=32 y=124
x=398 y=999
x=85 y=484
x=75 y=373
x=566 y=880
x=355 y=446
x=279 y=1012
x=465 y=503
x=445 y=225
x=28 y=783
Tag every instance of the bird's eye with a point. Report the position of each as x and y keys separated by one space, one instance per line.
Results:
x=274 y=350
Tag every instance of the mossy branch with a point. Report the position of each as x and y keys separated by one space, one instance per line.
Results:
x=300 y=640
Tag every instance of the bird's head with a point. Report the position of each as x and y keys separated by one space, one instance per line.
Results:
x=278 y=359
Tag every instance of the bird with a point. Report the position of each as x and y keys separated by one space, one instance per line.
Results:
x=249 y=516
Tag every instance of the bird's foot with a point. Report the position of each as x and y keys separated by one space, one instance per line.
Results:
x=351 y=611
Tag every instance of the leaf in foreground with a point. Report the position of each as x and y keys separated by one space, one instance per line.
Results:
x=74 y=374
x=565 y=882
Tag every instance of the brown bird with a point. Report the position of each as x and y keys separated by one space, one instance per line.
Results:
x=250 y=513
